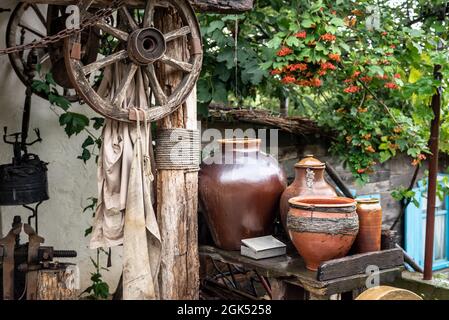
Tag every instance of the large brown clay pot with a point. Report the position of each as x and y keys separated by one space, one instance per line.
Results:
x=370 y=225
x=240 y=195
x=322 y=228
x=309 y=181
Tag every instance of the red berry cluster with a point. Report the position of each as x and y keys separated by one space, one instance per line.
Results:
x=354 y=88
x=328 y=37
x=284 y=51
x=301 y=35
x=304 y=73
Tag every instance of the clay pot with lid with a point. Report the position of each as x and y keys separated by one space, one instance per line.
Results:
x=322 y=228
x=370 y=217
x=309 y=181
x=239 y=195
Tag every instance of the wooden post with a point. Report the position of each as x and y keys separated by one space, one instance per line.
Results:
x=433 y=173
x=177 y=190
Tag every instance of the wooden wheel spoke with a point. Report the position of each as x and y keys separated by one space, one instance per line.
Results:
x=172 y=35
x=97 y=65
x=39 y=14
x=32 y=30
x=159 y=94
x=84 y=5
x=131 y=22
x=146 y=86
x=124 y=85
x=181 y=65
x=117 y=33
x=149 y=13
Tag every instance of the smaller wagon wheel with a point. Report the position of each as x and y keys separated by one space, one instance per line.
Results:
x=139 y=46
x=32 y=22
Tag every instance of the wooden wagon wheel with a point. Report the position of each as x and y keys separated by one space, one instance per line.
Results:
x=32 y=22
x=140 y=47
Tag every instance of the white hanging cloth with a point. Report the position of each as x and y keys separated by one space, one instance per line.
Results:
x=125 y=213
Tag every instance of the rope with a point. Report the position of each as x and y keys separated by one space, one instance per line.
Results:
x=178 y=149
x=332 y=226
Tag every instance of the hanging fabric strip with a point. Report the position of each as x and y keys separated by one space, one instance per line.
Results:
x=125 y=213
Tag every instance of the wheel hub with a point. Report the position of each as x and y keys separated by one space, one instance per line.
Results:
x=146 y=46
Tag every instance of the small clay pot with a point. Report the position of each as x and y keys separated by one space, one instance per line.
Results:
x=309 y=182
x=370 y=229
x=240 y=194
x=322 y=228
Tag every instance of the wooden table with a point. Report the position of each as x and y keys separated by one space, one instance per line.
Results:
x=290 y=279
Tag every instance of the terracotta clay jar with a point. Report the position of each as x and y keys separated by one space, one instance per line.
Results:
x=309 y=181
x=322 y=228
x=239 y=195
x=370 y=220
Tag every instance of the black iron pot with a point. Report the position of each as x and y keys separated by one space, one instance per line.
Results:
x=23 y=183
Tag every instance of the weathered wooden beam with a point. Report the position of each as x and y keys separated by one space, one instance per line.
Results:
x=357 y=264
x=177 y=190
x=218 y=6
x=295 y=125
x=222 y=6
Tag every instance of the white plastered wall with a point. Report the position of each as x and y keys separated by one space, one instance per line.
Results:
x=71 y=182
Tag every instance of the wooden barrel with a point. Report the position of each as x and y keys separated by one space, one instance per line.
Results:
x=388 y=293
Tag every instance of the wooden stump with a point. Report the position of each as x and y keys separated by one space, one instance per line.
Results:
x=56 y=285
x=388 y=293
x=177 y=190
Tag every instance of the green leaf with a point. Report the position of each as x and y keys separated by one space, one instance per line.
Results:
x=306 y=23
x=292 y=41
x=98 y=122
x=49 y=79
x=384 y=156
x=227 y=56
x=415 y=75
x=203 y=109
x=88 y=231
x=73 y=123
x=59 y=101
x=86 y=155
x=266 y=65
x=338 y=22
x=220 y=92
x=40 y=86
x=214 y=25
x=204 y=91
x=88 y=142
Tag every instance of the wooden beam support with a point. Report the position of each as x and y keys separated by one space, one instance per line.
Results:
x=218 y=6
x=177 y=190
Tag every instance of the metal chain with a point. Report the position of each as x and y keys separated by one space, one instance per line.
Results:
x=90 y=21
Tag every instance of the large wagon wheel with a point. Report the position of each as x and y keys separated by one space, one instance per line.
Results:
x=32 y=22
x=140 y=47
